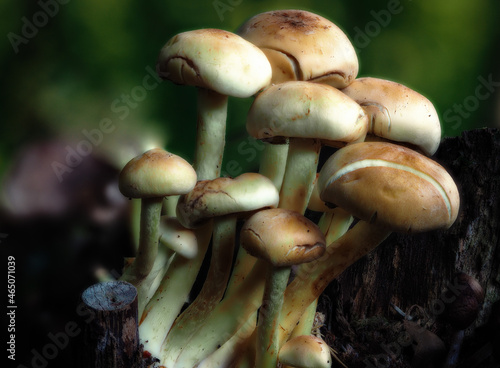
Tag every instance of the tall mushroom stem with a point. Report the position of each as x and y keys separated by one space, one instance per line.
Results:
x=269 y=316
x=300 y=173
x=272 y=162
x=333 y=224
x=227 y=318
x=188 y=323
x=172 y=294
x=312 y=278
x=148 y=241
x=210 y=134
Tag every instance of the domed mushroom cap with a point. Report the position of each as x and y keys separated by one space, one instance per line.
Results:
x=305 y=351
x=391 y=185
x=282 y=237
x=303 y=46
x=215 y=59
x=156 y=173
x=224 y=196
x=306 y=110
x=397 y=112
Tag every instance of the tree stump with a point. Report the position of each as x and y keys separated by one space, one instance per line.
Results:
x=411 y=271
x=111 y=338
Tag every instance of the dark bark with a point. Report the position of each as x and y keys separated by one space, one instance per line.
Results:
x=413 y=270
x=111 y=338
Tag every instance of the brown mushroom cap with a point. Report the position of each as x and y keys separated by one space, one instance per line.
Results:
x=391 y=185
x=397 y=112
x=156 y=173
x=282 y=237
x=215 y=59
x=306 y=110
x=303 y=46
x=224 y=196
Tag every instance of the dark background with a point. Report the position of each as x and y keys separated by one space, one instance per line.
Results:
x=75 y=72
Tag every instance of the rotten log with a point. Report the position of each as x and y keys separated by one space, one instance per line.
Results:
x=111 y=338
x=412 y=271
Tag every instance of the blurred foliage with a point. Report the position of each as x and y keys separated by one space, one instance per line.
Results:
x=85 y=58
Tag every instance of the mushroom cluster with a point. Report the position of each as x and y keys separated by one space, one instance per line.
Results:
x=301 y=70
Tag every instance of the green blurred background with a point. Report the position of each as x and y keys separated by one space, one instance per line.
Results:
x=83 y=59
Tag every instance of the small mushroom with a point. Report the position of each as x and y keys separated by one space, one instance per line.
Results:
x=305 y=351
x=282 y=238
x=220 y=64
x=397 y=113
x=461 y=312
x=152 y=176
x=389 y=188
x=309 y=114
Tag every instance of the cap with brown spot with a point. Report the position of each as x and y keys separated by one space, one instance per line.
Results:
x=303 y=46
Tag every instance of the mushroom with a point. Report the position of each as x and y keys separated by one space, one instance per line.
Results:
x=220 y=64
x=309 y=114
x=463 y=303
x=152 y=176
x=306 y=351
x=224 y=200
x=397 y=113
x=283 y=36
x=389 y=188
x=303 y=46
x=282 y=238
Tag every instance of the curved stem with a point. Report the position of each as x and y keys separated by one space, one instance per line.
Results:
x=228 y=317
x=333 y=224
x=300 y=173
x=210 y=134
x=269 y=316
x=312 y=278
x=149 y=236
x=231 y=352
x=242 y=266
x=188 y=323
x=273 y=162
x=173 y=292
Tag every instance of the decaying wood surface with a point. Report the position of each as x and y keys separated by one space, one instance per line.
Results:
x=411 y=271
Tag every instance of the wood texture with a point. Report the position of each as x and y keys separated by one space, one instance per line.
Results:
x=111 y=338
